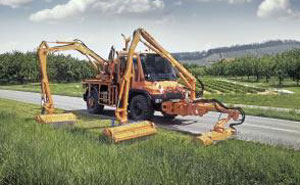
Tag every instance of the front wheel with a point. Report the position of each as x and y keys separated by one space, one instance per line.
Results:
x=92 y=103
x=140 y=108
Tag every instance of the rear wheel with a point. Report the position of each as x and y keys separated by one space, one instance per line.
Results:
x=92 y=103
x=141 y=108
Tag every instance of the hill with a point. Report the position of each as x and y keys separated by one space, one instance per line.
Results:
x=257 y=49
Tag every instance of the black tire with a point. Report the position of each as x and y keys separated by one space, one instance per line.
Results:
x=92 y=103
x=169 y=116
x=140 y=108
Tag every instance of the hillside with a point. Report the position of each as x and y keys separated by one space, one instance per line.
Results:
x=257 y=49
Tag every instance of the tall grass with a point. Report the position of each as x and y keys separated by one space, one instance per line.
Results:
x=39 y=154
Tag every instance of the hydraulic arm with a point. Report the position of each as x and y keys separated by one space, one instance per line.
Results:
x=47 y=99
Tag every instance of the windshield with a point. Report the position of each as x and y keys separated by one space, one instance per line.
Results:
x=157 y=68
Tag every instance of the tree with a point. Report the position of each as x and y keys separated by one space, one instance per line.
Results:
x=18 y=67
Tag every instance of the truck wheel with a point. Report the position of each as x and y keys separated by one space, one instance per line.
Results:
x=92 y=103
x=169 y=116
x=141 y=108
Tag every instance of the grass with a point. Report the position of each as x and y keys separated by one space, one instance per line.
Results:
x=216 y=85
x=31 y=153
x=291 y=115
x=284 y=101
x=67 y=89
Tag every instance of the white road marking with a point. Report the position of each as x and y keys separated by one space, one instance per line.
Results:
x=272 y=128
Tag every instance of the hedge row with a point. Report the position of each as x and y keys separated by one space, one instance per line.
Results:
x=18 y=67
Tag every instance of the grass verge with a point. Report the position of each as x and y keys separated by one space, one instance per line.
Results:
x=31 y=153
x=283 y=101
x=291 y=115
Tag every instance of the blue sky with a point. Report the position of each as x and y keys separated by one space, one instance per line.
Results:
x=180 y=25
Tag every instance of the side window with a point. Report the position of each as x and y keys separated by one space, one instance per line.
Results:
x=122 y=66
x=136 y=69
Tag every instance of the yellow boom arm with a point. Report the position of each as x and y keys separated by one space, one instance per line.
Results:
x=44 y=50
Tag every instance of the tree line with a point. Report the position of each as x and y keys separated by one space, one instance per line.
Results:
x=283 y=65
x=18 y=67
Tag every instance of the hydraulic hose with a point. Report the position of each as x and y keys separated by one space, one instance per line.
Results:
x=200 y=93
x=225 y=107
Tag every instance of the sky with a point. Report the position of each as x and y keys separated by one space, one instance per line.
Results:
x=179 y=25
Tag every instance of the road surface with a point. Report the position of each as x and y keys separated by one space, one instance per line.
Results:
x=263 y=130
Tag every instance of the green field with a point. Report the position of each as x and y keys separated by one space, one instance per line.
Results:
x=219 y=86
x=39 y=154
x=291 y=115
x=247 y=92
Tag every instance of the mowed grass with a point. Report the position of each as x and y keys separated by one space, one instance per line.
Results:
x=67 y=89
x=31 y=153
x=287 y=115
x=284 y=100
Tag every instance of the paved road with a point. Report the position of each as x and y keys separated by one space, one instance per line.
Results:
x=264 y=130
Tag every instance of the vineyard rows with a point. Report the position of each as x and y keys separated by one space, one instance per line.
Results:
x=221 y=87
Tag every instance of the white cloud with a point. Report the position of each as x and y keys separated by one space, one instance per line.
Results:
x=178 y=3
x=74 y=7
x=61 y=11
x=165 y=19
x=128 y=6
x=14 y=3
x=280 y=9
x=227 y=1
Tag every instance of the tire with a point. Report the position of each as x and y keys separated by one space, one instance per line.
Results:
x=169 y=116
x=140 y=108
x=92 y=103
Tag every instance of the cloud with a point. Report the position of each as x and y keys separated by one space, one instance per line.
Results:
x=165 y=19
x=227 y=1
x=14 y=3
x=128 y=6
x=61 y=11
x=280 y=9
x=178 y=3
x=74 y=7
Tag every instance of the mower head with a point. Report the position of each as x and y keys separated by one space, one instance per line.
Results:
x=130 y=131
x=66 y=118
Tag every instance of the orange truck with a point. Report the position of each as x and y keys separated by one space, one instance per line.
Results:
x=138 y=83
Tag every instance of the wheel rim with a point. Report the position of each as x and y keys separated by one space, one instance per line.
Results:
x=91 y=102
x=137 y=108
